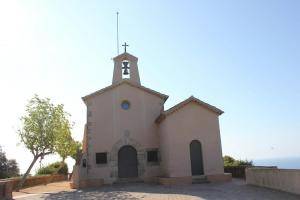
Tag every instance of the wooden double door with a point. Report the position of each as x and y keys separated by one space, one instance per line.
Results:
x=127 y=162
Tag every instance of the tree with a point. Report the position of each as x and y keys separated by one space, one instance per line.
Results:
x=41 y=125
x=12 y=168
x=3 y=164
x=77 y=151
x=230 y=161
x=76 y=154
x=64 y=145
x=8 y=168
x=244 y=163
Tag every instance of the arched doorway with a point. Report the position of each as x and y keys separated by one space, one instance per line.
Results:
x=127 y=162
x=196 y=158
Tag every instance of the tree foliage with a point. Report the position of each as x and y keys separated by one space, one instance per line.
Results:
x=64 y=144
x=52 y=168
x=3 y=163
x=77 y=151
x=42 y=126
x=230 y=161
x=12 y=168
x=8 y=168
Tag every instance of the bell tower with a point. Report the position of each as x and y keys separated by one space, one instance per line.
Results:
x=125 y=67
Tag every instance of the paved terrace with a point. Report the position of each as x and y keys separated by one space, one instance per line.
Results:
x=237 y=189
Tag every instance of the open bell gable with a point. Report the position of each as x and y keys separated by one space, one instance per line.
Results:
x=126 y=64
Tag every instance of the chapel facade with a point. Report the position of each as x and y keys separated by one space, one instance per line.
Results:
x=129 y=136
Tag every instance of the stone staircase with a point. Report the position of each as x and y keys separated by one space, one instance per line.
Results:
x=199 y=179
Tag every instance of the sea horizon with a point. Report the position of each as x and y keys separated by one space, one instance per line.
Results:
x=282 y=163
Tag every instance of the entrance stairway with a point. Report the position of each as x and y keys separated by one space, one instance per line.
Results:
x=199 y=179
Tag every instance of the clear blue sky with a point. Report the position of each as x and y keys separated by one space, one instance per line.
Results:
x=241 y=56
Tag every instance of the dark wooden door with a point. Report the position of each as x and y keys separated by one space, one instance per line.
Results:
x=127 y=162
x=196 y=158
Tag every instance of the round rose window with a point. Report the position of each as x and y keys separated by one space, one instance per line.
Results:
x=125 y=105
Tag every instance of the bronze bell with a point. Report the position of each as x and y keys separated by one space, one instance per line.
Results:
x=125 y=67
x=125 y=71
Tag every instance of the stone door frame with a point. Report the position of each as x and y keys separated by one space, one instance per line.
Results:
x=113 y=156
x=127 y=166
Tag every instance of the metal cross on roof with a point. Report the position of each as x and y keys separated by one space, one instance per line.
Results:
x=125 y=45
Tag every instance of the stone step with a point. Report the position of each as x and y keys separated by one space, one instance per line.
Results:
x=129 y=180
x=199 y=179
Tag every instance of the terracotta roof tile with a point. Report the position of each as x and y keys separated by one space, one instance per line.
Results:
x=180 y=105
x=125 y=81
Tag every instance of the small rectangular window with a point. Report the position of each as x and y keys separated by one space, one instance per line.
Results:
x=101 y=158
x=152 y=156
x=84 y=163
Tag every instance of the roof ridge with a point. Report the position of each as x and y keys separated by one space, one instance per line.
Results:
x=125 y=54
x=181 y=104
x=126 y=81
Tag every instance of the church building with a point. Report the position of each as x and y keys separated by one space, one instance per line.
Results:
x=129 y=136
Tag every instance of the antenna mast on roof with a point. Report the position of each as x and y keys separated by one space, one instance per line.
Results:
x=118 y=32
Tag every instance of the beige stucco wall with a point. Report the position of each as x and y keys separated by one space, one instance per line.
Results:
x=109 y=127
x=177 y=130
x=281 y=179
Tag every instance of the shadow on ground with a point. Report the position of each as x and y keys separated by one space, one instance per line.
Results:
x=91 y=195
x=228 y=191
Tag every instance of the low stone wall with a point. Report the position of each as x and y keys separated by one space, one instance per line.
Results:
x=236 y=171
x=91 y=183
x=287 y=180
x=175 y=180
x=213 y=178
x=240 y=171
x=218 y=178
x=5 y=190
x=35 y=180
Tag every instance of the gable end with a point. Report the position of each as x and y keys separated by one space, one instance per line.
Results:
x=163 y=96
x=180 y=105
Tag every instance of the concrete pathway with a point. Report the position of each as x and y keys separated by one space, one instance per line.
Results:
x=235 y=190
x=56 y=187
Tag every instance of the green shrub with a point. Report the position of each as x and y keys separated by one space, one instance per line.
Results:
x=230 y=161
x=51 y=168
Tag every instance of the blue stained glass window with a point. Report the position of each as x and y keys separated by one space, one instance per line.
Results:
x=125 y=105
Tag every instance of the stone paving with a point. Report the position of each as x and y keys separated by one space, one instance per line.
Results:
x=237 y=189
x=62 y=186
